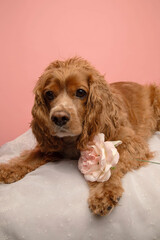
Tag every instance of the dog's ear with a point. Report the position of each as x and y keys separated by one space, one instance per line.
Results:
x=101 y=112
x=41 y=123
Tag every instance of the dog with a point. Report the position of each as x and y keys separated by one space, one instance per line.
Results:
x=73 y=103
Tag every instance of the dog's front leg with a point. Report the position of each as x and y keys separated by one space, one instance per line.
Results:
x=105 y=196
x=18 y=167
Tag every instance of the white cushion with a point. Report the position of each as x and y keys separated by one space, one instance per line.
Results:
x=51 y=202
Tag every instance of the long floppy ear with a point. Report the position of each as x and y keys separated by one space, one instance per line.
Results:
x=101 y=112
x=41 y=122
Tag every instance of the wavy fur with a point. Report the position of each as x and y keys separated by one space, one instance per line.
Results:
x=122 y=111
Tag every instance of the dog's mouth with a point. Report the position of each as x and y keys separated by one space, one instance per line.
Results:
x=63 y=132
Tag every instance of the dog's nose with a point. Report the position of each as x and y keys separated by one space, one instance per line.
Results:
x=60 y=118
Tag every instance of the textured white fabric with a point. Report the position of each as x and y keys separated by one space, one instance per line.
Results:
x=51 y=202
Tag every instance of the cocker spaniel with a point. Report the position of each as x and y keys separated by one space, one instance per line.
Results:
x=73 y=103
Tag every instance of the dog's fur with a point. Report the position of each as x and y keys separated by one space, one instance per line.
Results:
x=122 y=111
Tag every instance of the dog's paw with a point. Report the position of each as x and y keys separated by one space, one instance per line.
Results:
x=102 y=205
x=9 y=174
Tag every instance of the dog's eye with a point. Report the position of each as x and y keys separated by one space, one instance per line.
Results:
x=49 y=95
x=81 y=93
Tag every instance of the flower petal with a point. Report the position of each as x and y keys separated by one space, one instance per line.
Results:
x=104 y=177
x=96 y=161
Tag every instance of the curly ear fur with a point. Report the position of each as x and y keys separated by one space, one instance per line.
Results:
x=41 y=123
x=101 y=111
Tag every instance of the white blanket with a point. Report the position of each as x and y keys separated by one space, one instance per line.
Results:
x=51 y=202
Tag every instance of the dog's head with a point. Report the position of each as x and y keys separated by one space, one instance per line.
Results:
x=71 y=100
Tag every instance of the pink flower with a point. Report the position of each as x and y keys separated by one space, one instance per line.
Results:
x=95 y=163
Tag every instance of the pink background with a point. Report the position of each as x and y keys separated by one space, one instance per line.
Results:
x=120 y=37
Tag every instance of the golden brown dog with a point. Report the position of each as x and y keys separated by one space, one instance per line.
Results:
x=73 y=103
